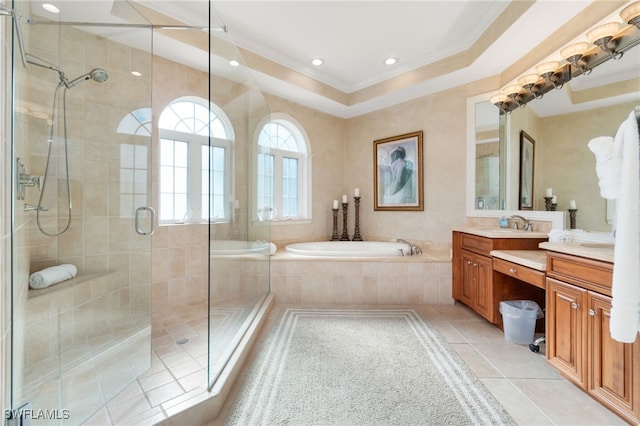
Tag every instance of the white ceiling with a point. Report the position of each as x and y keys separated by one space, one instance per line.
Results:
x=354 y=37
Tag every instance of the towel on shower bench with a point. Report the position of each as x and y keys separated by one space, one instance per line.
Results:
x=52 y=275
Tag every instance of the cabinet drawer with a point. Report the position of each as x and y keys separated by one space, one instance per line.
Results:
x=476 y=244
x=587 y=273
x=519 y=272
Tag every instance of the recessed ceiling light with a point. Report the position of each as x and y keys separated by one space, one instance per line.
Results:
x=390 y=61
x=50 y=8
x=136 y=73
x=317 y=61
x=234 y=63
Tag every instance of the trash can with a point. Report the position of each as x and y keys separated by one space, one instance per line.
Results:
x=519 y=319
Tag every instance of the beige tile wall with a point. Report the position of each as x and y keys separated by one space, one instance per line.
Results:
x=113 y=262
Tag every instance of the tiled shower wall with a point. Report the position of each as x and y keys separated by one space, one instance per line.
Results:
x=113 y=262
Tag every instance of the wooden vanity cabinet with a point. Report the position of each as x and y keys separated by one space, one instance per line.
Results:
x=578 y=341
x=474 y=281
x=476 y=291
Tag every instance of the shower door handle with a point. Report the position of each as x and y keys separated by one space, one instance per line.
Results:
x=152 y=220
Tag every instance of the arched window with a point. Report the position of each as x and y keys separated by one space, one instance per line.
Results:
x=283 y=170
x=137 y=122
x=194 y=161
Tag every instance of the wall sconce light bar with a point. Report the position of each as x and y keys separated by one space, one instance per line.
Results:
x=602 y=36
x=631 y=14
x=552 y=80
x=582 y=60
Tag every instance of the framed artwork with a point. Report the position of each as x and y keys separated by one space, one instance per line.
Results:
x=397 y=177
x=525 y=194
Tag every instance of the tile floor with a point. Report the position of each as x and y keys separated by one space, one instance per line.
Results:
x=177 y=378
x=526 y=385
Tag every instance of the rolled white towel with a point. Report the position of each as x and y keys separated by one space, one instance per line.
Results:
x=272 y=249
x=52 y=275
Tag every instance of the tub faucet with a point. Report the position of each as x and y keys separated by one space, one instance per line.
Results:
x=412 y=248
x=526 y=225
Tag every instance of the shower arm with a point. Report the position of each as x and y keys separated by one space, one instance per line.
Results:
x=15 y=16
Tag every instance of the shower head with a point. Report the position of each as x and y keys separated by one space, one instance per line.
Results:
x=97 y=74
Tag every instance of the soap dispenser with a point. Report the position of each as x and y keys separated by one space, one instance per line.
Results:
x=503 y=222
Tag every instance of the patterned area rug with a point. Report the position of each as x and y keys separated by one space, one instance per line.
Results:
x=361 y=367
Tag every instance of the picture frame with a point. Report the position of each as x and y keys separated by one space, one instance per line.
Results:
x=398 y=174
x=527 y=157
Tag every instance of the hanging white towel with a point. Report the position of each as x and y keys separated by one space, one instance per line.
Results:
x=625 y=312
x=608 y=164
x=52 y=275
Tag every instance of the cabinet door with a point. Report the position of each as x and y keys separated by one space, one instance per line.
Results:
x=484 y=287
x=467 y=293
x=566 y=331
x=611 y=362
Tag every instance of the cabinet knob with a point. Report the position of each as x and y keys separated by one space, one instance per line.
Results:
x=593 y=312
x=512 y=270
x=468 y=262
x=475 y=264
x=575 y=305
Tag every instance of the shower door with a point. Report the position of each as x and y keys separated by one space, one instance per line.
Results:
x=81 y=140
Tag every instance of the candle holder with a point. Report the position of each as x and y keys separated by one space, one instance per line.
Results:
x=334 y=235
x=345 y=211
x=553 y=206
x=547 y=203
x=356 y=231
x=572 y=218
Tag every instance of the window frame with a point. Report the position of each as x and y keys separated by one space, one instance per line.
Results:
x=303 y=155
x=195 y=175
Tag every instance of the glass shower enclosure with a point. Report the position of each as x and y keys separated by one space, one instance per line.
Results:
x=81 y=208
x=88 y=86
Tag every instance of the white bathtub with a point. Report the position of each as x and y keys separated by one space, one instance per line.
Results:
x=348 y=249
x=236 y=247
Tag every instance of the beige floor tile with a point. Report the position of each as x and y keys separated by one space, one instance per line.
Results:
x=164 y=393
x=524 y=411
x=475 y=361
x=194 y=380
x=155 y=380
x=565 y=404
x=479 y=332
x=517 y=361
x=186 y=368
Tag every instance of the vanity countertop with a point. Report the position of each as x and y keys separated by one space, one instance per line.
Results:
x=501 y=233
x=597 y=251
x=534 y=259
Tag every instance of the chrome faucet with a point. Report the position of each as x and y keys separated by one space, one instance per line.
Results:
x=413 y=250
x=526 y=225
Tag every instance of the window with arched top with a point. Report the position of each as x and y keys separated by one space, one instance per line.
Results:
x=194 y=161
x=283 y=170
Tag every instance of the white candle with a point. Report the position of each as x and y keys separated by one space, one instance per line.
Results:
x=356 y=192
x=548 y=192
x=344 y=199
x=554 y=199
x=335 y=204
x=572 y=204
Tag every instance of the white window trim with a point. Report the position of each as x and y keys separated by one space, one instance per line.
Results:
x=194 y=182
x=304 y=170
x=194 y=179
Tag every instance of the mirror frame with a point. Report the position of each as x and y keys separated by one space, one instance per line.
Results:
x=557 y=218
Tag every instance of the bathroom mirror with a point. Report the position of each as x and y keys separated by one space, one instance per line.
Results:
x=562 y=123
x=489 y=169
